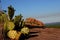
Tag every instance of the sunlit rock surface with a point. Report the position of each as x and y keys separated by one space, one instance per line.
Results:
x=33 y=22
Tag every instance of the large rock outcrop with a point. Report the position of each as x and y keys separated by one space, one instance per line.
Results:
x=33 y=22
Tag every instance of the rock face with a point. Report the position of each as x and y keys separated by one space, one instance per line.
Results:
x=33 y=22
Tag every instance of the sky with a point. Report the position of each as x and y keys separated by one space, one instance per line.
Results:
x=46 y=11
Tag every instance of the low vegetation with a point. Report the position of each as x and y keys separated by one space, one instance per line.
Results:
x=56 y=25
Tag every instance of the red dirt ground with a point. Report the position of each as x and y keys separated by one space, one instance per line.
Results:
x=46 y=34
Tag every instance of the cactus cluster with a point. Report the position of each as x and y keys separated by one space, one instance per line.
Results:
x=14 y=27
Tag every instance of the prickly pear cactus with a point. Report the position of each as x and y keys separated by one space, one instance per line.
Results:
x=5 y=17
x=11 y=12
x=18 y=18
x=25 y=30
x=14 y=29
x=8 y=26
x=12 y=34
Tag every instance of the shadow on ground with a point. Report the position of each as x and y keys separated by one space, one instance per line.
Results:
x=30 y=35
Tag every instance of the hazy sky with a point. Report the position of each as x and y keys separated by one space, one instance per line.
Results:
x=44 y=10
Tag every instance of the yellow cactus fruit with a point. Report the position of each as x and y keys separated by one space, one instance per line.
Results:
x=12 y=34
x=9 y=25
x=25 y=30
